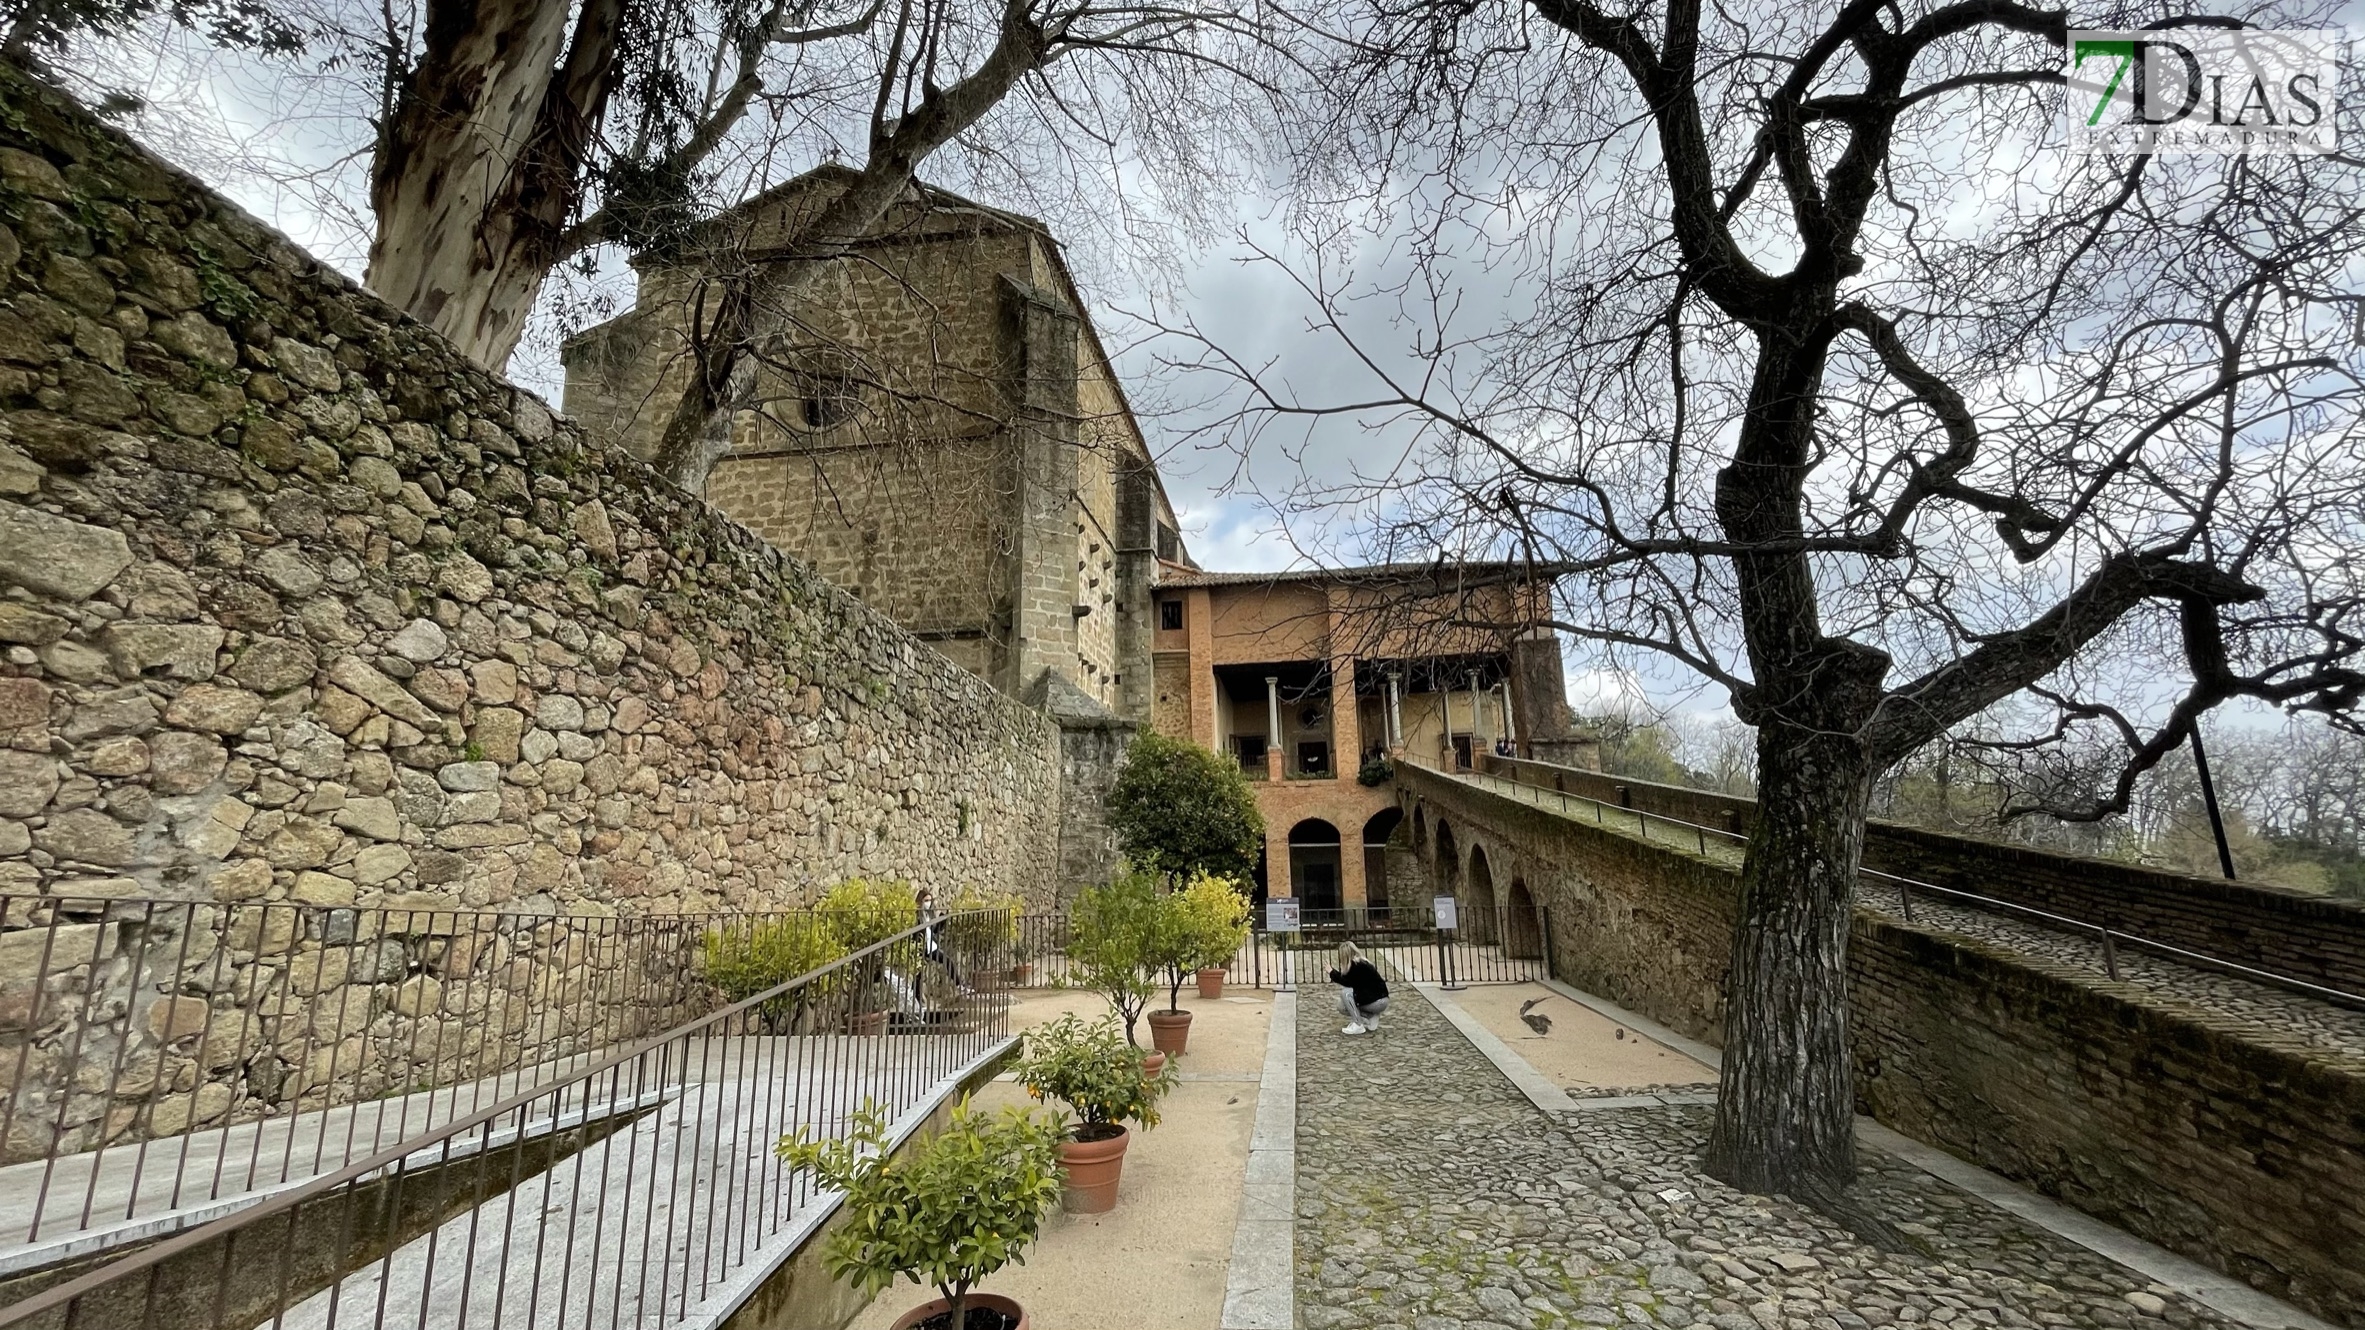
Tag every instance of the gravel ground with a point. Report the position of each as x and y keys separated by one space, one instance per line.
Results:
x=1431 y=1195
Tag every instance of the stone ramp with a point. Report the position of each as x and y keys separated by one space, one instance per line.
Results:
x=655 y=1224
x=80 y=1203
x=1431 y=1192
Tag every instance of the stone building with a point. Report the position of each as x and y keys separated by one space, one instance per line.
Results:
x=935 y=428
x=1309 y=679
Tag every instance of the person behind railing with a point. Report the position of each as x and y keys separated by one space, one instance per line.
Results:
x=932 y=942
x=1363 y=994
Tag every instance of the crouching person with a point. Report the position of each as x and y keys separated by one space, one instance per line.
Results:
x=1363 y=994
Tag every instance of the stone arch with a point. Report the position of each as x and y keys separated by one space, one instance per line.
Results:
x=1314 y=866
x=1420 y=826
x=1378 y=830
x=1479 y=904
x=1523 y=923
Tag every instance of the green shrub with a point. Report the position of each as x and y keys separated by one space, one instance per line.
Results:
x=862 y=912
x=745 y=962
x=947 y=1213
x=1094 y=1071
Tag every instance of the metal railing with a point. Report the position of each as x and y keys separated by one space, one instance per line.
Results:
x=638 y=1187
x=1502 y=945
x=1700 y=839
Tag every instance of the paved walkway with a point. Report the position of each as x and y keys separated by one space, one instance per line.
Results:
x=1431 y=1194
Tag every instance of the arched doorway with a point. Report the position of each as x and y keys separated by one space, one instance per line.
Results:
x=1445 y=864
x=1523 y=925
x=1314 y=866
x=1478 y=899
x=1376 y=832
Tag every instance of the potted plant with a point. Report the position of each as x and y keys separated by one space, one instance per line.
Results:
x=1098 y=1075
x=947 y=1212
x=1112 y=931
x=861 y=913
x=745 y=960
x=1217 y=918
x=1172 y=949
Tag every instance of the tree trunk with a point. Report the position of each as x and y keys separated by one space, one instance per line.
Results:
x=1785 y=1114
x=481 y=165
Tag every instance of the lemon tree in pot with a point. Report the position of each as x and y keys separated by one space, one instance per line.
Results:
x=981 y=933
x=946 y=1213
x=1215 y=918
x=1098 y=1075
x=1114 y=931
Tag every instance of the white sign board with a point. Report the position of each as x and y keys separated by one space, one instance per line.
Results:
x=1281 y=916
x=1447 y=912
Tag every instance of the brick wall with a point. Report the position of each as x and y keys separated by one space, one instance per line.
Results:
x=2235 y=1147
x=2306 y=937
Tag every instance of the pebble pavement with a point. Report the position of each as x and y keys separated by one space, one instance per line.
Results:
x=1432 y=1195
x=2338 y=1033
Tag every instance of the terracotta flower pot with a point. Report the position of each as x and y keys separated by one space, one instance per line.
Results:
x=1092 y=1169
x=1211 y=982
x=1170 y=1031
x=1152 y=1064
x=976 y=1302
x=869 y=1023
x=1023 y=974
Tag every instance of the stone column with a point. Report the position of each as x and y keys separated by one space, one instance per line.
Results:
x=1137 y=606
x=1273 y=766
x=1395 y=712
x=1510 y=728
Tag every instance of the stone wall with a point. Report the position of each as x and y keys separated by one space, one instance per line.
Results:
x=2237 y=1147
x=300 y=606
x=2305 y=937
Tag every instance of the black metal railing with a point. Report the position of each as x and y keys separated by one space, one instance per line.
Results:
x=637 y=1186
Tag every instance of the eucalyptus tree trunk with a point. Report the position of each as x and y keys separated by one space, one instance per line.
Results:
x=480 y=162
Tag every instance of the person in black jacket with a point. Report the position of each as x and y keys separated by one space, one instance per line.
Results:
x=1363 y=994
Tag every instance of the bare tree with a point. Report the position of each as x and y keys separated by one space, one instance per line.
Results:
x=1823 y=374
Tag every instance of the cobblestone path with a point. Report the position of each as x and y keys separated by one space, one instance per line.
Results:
x=1432 y=1195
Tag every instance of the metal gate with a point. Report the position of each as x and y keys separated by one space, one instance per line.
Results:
x=1499 y=946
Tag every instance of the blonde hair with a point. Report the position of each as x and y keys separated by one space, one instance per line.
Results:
x=1347 y=954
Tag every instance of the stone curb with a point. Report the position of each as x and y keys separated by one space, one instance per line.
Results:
x=1260 y=1290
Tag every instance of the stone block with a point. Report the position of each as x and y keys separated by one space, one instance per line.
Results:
x=58 y=557
x=371 y=816
x=366 y=682
x=317 y=888
x=469 y=777
x=246 y=880
x=177 y=651
x=214 y=708
x=181 y=762
x=27 y=782
x=420 y=640
x=379 y=864
x=274 y=664
x=171 y=1019
x=23 y=702
x=85 y=836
